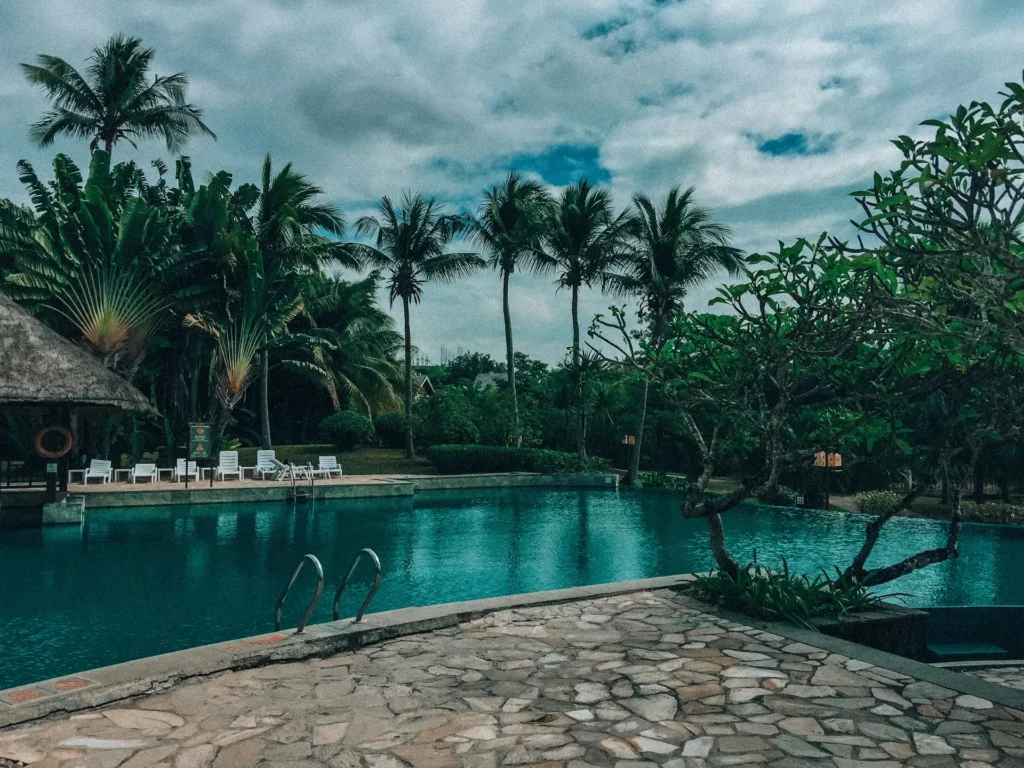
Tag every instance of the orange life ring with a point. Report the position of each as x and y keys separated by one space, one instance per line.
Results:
x=62 y=450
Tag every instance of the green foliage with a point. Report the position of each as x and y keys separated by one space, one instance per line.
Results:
x=390 y=429
x=778 y=496
x=876 y=502
x=468 y=459
x=662 y=480
x=797 y=598
x=445 y=418
x=346 y=430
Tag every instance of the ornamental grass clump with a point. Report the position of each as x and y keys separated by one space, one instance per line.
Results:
x=759 y=591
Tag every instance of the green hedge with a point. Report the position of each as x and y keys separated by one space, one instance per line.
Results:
x=468 y=459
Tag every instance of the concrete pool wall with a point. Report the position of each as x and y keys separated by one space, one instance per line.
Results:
x=25 y=507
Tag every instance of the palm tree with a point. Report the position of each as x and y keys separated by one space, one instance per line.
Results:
x=114 y=99
x=409 y=245
x=583 y=238
x=346 y=344
x=292 y=227
x=508 y=225
x=672 y=249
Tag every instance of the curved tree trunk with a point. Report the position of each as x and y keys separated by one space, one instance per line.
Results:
x=409 y=452
x=641 y=417
x=265 y=400
x=723 y=559
x=581 y=435
x=108 y=145
x=510 y=360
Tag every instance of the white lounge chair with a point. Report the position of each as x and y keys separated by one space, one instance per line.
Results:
x=228 y=465
x=328 y=466
x=144 y=472
x=99 y=469
x=293 y=471
x=181 y=468
x=266 y=464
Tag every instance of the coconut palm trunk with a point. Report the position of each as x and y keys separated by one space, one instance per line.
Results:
x=510 y=361
x=409 y=451
x=641 y=417
x=581 y=436
x=265 y=400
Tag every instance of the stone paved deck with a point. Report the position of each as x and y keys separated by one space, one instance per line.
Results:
x=1010 y=676
x=633 y=681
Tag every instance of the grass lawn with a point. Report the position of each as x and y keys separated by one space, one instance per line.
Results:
x=362 y=461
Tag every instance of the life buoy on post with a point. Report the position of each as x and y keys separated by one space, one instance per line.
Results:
x=60 y=451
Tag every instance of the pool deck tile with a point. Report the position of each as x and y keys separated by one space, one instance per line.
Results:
x=640 y=680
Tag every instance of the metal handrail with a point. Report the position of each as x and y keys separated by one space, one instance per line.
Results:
x=373 y=589
x=312 y=603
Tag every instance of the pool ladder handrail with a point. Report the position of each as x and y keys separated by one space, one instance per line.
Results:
x=373 y=589
x=312 y=603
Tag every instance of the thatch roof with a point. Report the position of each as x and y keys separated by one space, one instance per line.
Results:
x=38 y=366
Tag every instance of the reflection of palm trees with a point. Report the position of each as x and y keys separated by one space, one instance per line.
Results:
x=583 y=538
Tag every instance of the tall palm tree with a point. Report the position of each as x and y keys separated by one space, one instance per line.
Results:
x=583 y=239
x=409 y=245
x=508 y=224
x=671 y=250
x=293 y=228
x=114 y=99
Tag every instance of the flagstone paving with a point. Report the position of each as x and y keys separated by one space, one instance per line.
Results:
x=636 y=681
x=1010 y=676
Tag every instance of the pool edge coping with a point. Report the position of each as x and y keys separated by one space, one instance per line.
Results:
x=153 y=674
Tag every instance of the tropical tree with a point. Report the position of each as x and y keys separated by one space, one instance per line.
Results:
x=241 y=332
x=346 y=344
x=87 y=253
x=583 y=239
x=409 y=244
x=509 y=224
x=671 y=249
x=293 y=228
x=114 y=99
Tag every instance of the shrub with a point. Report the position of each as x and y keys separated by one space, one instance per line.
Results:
x=876 y=502
x=779 y=496
x=468 y=459
x=447 y=418
x=761 y=592
x=346 y=430
x=390 y=428
x=662 y=480
x=994 y=512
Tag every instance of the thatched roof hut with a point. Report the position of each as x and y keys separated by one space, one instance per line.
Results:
x=39 y=367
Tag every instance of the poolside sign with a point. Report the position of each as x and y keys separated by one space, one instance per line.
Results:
x=199 y=441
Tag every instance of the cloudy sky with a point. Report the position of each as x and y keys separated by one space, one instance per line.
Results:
x=774 y=110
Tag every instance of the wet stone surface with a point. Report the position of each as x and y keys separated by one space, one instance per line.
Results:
x=634 y=681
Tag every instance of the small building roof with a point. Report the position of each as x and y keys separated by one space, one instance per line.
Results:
x=487 y=380
x=38 y=366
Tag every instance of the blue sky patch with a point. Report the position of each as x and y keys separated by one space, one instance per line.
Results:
x=563 y=164
x=604 y=28
x=795 y=144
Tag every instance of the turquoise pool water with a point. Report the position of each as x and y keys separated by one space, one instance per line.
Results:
x=135 y=583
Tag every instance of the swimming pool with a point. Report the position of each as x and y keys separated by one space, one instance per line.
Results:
x=133 y=583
